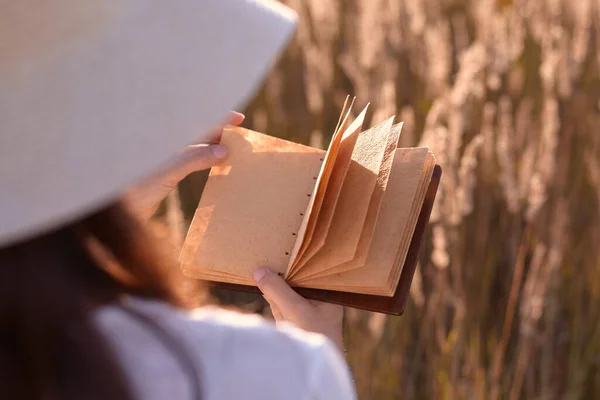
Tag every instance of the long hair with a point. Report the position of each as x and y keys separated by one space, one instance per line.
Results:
x=49 y=345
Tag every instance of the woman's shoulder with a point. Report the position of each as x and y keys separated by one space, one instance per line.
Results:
x=242 y=354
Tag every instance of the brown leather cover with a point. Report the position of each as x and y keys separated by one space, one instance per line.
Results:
x=388 y=305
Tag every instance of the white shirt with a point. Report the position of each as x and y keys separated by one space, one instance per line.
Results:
x=235 y=356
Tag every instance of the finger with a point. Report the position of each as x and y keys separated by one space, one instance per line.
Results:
x=214 y=135
x=333 y=311
x=276 y=312
x=236 y=118
x=278 y=292
x=197 y=158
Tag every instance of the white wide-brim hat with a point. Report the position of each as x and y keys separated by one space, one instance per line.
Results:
x=95 y=95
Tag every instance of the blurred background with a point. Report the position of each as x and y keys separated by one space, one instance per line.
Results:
x=505 y=302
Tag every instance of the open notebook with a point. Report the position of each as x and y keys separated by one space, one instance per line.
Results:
x=342 y=225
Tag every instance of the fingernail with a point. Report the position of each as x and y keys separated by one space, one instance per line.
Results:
x=258 y=274
x=238 y=114
x=219 y=151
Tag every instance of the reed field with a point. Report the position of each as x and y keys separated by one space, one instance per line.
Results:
x=505 y=303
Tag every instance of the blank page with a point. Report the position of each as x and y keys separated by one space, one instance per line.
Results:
x=350 y=213
x=321 y=179
x=315 y=206
x=372 y=214
x=414 y=215
x=252 y=205
x=394 y=218
x=338 y=174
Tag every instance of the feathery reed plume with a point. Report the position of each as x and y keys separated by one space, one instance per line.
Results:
x=466 y=176
x=505 y=156
x=416 y=289
x=408 y=137
x=439 y=255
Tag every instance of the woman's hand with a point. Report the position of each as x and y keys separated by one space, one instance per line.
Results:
x=145 y=199
x=310 y=315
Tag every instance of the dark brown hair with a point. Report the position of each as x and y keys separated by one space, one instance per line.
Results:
x=49 y=346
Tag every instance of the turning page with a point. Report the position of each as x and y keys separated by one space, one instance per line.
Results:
x=409 y=178
x=321 y=225
x=372 y=216
x=352 y=207
x=315 y=200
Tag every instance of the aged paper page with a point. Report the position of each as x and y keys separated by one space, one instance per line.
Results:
x=340 y=170
x=372 y=214
x=350 y=213
x=252 y=205
x=394 y=218
x=318 y=196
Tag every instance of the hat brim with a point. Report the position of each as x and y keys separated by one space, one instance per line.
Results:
x=104 y=104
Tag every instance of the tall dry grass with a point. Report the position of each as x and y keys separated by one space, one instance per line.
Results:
x=505 y=302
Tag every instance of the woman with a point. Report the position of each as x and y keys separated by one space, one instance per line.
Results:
x=95 y=96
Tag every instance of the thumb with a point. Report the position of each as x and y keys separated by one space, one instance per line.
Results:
x=198 y=157
x=279 y=294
